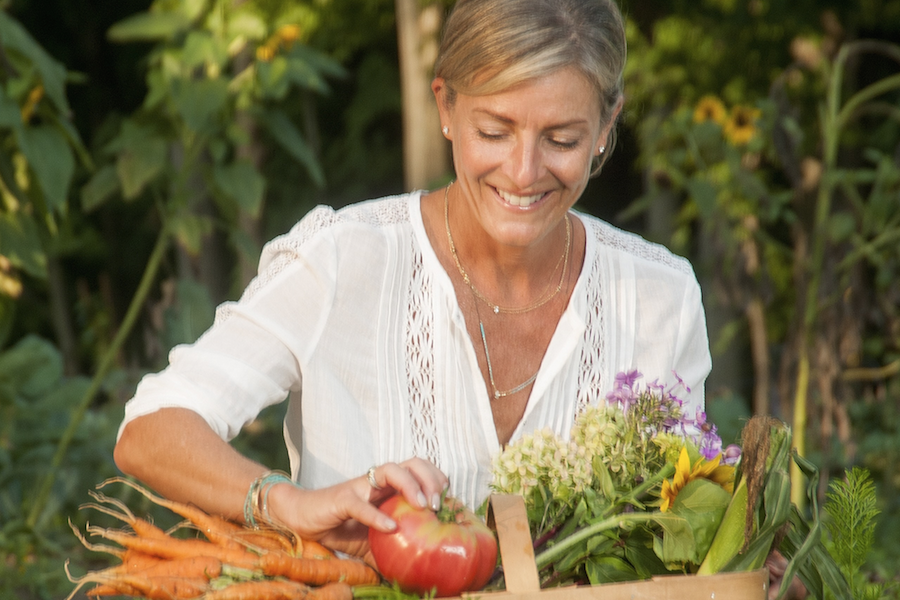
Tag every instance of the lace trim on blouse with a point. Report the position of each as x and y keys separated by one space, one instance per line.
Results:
x=420 y=361
x=593 y=355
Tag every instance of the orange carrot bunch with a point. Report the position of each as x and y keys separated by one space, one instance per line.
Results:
x=227 y=562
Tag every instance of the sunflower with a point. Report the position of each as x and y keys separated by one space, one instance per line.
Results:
x=722 y=475
x=741 y=125
x=710 y=108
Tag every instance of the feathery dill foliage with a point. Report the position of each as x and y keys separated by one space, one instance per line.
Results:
x=851 y=507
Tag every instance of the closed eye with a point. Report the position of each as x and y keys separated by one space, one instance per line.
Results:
x=565 y=144
x=490 y=136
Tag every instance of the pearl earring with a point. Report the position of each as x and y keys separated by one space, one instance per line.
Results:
x=602 y=149
x=446 y=130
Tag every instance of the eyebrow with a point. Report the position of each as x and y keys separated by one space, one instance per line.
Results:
x=508 y=121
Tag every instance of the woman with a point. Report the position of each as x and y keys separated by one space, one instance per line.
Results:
x=423 y=332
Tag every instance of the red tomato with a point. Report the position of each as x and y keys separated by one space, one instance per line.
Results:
x=450 y=551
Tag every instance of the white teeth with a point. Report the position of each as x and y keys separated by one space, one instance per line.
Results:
x=519 y=200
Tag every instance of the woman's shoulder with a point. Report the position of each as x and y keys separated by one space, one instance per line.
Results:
x=385 y=212
x=378 y=212
x=631 y=246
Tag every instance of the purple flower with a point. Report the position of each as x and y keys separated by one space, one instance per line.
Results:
x=627 y=378
x=731 y=455
x=681 y=382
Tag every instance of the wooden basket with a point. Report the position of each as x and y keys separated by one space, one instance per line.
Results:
x=507 y=516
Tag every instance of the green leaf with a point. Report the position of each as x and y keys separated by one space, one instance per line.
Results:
x=702 y=504
x=10 y=115
x=639 y=552
x=50 y=157
x=609 y=569
x=199 y=101
x=603 y=477
x=841 y=226
x=192 y=9
x=852 y=506
x=52 y=73
x=245 y=22
x=99 y=188
x=32 y=367
x=190 y=230
x=289 y=137
x=241 y=182
x=319 y=61
x=703 y=193
x=148 y=26
x=273 y=77
x=201 y=48
x=304 y=75
x=142 y=155
x=676 y=546
x=20 y=241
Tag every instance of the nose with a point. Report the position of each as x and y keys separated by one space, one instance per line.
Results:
x=525 y=162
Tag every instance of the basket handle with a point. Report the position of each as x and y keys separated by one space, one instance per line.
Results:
x=506 y=514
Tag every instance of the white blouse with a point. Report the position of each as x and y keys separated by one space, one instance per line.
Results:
x=353 y=317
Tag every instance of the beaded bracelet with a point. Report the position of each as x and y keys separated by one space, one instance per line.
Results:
x=256 y=504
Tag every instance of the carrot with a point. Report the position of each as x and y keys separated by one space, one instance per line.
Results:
x=140 y=526
x=224 y=532
x=109 y=589
x=267 y=539
x=311 y=549
x=316 y=571
x=176 y=548
x=266 y=589
x=164 y=587
x=274 y=564
x=217 y=529
x=95 y=547
x=332 y=591
x=193 y=567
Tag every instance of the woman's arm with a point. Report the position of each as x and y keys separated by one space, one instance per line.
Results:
x=176 y=453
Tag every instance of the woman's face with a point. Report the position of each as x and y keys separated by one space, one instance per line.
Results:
x=523 y=156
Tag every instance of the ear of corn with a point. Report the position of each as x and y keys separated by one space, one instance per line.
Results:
x=729 y=539
x=761 y=503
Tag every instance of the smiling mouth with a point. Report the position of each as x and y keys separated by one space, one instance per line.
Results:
x=519 y=200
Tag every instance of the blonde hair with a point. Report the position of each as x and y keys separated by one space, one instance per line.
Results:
x=492 y=45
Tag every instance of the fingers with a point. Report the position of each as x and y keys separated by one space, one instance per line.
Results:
x=420 y=482
x=336 y=513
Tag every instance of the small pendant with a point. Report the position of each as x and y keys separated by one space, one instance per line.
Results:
x=496 y=310
x=496 y=394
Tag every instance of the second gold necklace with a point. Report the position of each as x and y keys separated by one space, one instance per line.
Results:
x=496 y=308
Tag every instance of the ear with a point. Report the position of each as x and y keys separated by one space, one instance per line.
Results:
x=439 y=88
x=603 y=140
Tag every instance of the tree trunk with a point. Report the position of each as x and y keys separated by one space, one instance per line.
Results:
x=425 y=152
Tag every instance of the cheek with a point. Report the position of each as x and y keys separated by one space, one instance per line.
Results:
x=477 y=158
x=572 y=169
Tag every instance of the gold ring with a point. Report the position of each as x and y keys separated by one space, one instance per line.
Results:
x=370 y=475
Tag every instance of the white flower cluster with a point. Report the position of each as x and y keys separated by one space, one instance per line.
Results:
x=543 y=459
x=604 y=432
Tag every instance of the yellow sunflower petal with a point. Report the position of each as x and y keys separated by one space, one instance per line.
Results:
x=668 y=495
x=682 y=469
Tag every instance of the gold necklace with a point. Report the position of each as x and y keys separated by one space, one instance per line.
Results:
x=487 y=356
x=496 y=308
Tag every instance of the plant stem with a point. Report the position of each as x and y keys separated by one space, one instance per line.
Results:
x=106 y=363
x=632 y=496
x=554 y=552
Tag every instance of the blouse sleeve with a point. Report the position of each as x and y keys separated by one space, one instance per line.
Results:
x=692 y=361
x=252 y=356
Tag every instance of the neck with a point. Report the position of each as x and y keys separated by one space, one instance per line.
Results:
x=511 y=275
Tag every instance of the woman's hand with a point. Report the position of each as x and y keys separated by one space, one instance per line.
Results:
x=777 y=564
x=339 y=516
